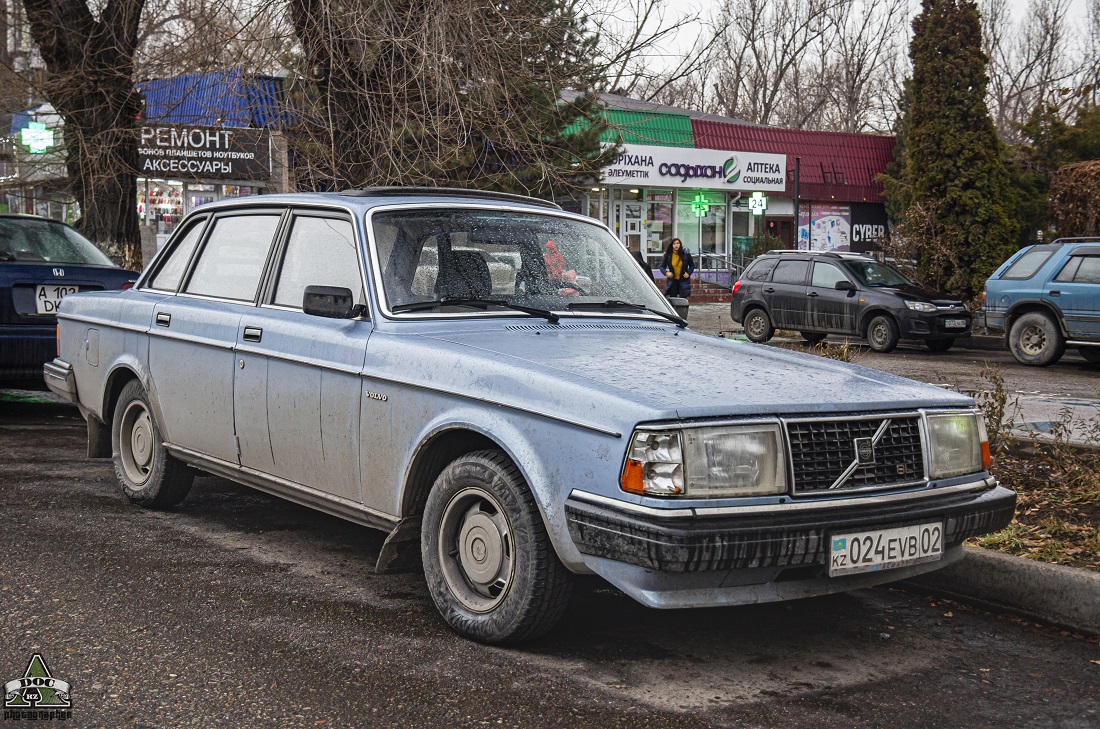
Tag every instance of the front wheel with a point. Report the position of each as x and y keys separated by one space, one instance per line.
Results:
x=939 y=345
x=882 y=334
x=148 y=473
x=758 y=326
x=490 y=567
x=1036 y=340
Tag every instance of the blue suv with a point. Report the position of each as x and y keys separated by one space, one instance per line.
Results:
x=1047 y=297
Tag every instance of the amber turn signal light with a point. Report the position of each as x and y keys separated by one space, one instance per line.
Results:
x=631 y=480
x=986 y=458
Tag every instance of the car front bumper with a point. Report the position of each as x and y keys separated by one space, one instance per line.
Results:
x=760 y=554
x=933 y=326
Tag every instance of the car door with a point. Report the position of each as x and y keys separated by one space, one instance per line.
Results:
x=831 y=309
x=786 y=293
x=193 y=332
x=298 y=376
x=1076 y=291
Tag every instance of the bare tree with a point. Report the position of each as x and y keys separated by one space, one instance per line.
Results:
x=1031 y=63
x=89 y=80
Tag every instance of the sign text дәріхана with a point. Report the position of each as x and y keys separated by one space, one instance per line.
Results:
x=204 y=152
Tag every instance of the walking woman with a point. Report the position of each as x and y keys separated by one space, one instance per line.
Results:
x=677 y=266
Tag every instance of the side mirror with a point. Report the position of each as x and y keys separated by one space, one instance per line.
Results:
x=680 y=305
x=845 y=286
x=332 y=302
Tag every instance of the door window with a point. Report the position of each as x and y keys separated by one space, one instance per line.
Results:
x=790 y=272
x=168 y=278
x=826 y=275
x=233 y=258
x=320 y=252
x=1088 y=271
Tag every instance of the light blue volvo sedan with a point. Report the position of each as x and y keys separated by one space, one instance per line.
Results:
x=497 y=385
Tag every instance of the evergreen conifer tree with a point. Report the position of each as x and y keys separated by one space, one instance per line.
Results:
x=959 y=203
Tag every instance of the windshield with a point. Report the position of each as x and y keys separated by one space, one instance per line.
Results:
x=873 y=273
x=519 y=259
x=46 y=241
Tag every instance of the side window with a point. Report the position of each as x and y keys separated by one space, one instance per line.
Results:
x=759 y=271
x=790 y=272
x=1088 y=271
x=827 y=275
x=320 y=252
x=1027 y=264
x=233 y=258
x=169 y=275
x=1069 y=270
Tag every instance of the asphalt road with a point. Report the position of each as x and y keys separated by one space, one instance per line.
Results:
x=239 y=609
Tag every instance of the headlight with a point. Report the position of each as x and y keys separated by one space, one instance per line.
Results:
x=957 y=443
x=742 y=460
x=921 y=306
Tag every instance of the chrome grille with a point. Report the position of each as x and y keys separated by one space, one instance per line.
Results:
x=824 y=451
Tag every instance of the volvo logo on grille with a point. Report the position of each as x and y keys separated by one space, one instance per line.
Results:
x=865 y=451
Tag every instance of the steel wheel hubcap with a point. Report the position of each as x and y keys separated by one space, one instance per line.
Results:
x=756 y=326
x=476 y=549
x=878 y=335
x=137 y=442
x=1033 y=340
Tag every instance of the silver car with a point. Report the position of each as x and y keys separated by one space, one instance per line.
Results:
x=497 y=385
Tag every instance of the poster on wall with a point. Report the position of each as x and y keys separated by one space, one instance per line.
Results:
x=824 y=227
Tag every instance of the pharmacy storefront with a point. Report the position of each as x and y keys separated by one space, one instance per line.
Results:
x=708 y=198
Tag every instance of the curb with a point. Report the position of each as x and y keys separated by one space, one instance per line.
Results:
x=1067 y=597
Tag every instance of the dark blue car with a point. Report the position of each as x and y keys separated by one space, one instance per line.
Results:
x=1045 y=298
x=41 y=262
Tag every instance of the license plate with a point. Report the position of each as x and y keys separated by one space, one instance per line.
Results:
x=47 y=297
x=885 y=549
x=955 y=323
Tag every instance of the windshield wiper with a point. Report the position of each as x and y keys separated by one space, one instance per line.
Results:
x=477 y=303
x=616 y=304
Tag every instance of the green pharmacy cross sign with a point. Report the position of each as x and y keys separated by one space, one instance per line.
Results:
x=701 y=205
x=37 y=137
x=758 y=203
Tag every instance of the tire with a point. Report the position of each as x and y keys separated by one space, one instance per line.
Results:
x=812 y=337
x=1036 y=340
x=1091 y=354
x=940 y=345
x=758 y=326
x=882 y=334
x=490 y=567
x=148 y=473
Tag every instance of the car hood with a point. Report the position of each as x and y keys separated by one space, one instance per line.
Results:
x=677 y=373
x=915 y=291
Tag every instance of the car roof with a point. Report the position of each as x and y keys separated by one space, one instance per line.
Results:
x=843 y=255
x=367 y=198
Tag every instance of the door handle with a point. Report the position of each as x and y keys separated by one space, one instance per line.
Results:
x=253 y=334
x=164 y=319
x=769 y=291
x=812 y=293
x=1055 y=293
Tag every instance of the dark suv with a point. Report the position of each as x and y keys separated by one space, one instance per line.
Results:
x=819 y=293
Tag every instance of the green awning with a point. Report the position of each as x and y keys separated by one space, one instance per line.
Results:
x=647 y=127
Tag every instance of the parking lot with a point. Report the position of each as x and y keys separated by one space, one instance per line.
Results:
x=238 y=608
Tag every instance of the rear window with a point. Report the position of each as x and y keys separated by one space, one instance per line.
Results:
x=792 y=272
x=46 y=241
x=1027 y=264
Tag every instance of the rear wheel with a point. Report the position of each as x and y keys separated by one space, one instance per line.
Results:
x=148 y=473
x=1036 y=340
x=1091 y=354
x=882 y=334
x=758 y=326
x=812 y=337
x=939 y=345
x=490 y=567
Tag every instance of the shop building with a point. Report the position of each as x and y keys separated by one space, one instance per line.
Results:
x=718 y=183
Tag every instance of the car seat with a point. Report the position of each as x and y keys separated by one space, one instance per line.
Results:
x=464 y=275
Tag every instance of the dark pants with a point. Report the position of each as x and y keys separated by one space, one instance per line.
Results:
x=674 y=288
